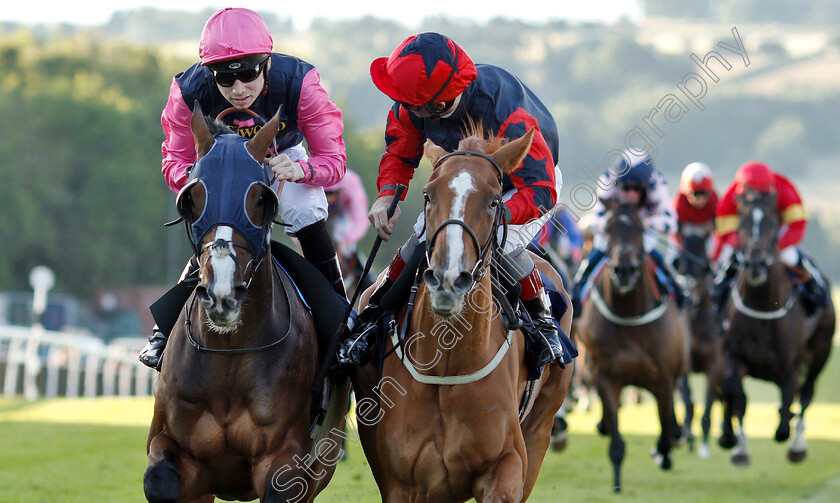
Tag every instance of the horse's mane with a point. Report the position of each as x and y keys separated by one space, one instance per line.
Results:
x=477 y=138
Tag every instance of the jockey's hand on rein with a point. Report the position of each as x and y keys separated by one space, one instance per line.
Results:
x=286 y=169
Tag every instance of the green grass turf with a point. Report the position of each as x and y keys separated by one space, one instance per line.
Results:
x=94 y=451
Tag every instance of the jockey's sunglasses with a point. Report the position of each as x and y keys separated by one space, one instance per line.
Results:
x=700 y=193
x=635 y=187
x=250 y=74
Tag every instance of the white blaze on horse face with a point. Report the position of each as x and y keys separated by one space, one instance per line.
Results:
x=462 y=186
x=757 y=215
x=223 y=262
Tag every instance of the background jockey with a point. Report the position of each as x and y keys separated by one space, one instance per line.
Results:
x=644 y=187
x=696 y=202
x=348 y=219
x=437 y=91
x=756 y=178
x=238 y=69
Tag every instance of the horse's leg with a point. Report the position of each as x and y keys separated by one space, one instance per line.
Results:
x=685 y=394
x=712 y=380
x=608 y=392
x=170 y=476
x=504 y=482
x=787 y=385
x=287 y=476
x=737 y=403
x=819 y=348
x=668 y=424
x=536 y=428
x=732 y=394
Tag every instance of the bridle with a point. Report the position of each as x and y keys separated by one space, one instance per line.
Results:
x=479 y=268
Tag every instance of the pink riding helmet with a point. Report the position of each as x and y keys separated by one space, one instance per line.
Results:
x=234 y=33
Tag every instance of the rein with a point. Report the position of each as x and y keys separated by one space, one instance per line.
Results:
x=775 y=314
x=238 y=351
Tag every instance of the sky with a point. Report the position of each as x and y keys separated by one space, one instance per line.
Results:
x=409 y=13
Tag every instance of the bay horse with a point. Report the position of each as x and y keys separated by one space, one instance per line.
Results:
x=233 y=415
x=767 y=333
x=453 y=430
x=632 y=336
x=695 y=267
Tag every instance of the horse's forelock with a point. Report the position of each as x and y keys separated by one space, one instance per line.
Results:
x=479 y=139
x=217 y=127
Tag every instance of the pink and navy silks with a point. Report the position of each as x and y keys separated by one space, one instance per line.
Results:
x=505 y=107
x=348 y=221
x=294 y=88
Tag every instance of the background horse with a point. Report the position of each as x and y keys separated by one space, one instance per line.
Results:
x=449 y=428
x=632 y=336
x=769 y=336
x=233 y=411
x=695 y=267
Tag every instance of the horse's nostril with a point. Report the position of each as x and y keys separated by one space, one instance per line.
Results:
x=239 y=293
x=202 y=294
x=431 y=278
x=463 y=282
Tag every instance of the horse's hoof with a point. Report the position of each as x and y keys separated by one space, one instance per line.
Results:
x=601 y=428
x=741 y=460
x=782 y=434
x=661 y=460
x=559 y=434
x=162 y=483
x=704 y=452
x=797 y=456
x=727 y=441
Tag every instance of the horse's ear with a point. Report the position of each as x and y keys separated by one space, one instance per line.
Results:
x=258 y=145
x=511 y=154
x=433 y=152
x=201 y=133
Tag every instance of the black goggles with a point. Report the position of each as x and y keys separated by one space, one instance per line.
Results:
x=635 y=187
x=245 y=75
x=700 y=193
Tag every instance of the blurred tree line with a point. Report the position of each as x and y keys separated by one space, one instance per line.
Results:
x=81 y=185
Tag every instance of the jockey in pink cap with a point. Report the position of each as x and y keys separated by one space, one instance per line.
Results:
x=240 y=75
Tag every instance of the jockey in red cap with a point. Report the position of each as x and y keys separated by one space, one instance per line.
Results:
x=238 y=72
x=756 y=178
x=696 y=202
x=437 y=90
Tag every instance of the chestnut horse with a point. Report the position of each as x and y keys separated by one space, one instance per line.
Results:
x=695 y=267
x=233 y=414
x=453 y=431
x=769 y=335
x=632 y=336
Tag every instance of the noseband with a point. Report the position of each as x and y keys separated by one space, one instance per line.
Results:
x=498 y=221
x=253 y=264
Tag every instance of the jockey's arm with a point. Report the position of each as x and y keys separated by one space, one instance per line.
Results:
x=320 y=121
x=178 y=148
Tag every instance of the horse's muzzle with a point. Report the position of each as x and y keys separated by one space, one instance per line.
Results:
x=222 y=311
x=447 y=292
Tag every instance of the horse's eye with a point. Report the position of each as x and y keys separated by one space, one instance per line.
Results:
x=494 y=203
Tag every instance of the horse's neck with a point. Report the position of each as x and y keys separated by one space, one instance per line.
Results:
x=771 y=294
x=457 y=345
x=638 y=301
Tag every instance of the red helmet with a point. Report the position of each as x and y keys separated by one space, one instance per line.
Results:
x=426 y=68
x=234 y=33
x=695 y=177
x=755 y=176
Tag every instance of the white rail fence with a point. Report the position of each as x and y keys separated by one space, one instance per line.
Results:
x=37 y=363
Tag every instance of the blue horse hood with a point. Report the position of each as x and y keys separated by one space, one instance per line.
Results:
x=227 y=172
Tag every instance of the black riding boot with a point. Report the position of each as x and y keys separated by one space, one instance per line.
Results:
x=152 y=354
x=814 y=293
x=542 y=333
x=357 y=348
x=165 y=312
x=318 y=249
x=723 y=282
x=672 y=284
